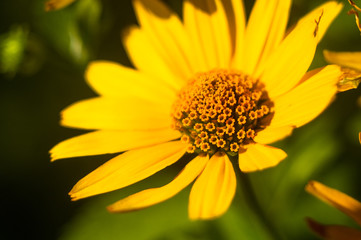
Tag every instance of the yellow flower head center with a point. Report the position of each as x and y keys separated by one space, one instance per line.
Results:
x=221 y=111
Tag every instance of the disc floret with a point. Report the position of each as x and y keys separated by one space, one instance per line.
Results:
x=221 y=111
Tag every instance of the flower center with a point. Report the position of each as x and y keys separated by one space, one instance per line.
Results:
x=221 y=111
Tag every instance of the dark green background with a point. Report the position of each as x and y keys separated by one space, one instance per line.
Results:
x=38 y=82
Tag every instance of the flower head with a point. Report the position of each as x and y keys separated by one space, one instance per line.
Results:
x=212 y=87
x=341 y=201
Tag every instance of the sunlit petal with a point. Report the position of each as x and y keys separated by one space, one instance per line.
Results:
x=104 y=142
x=294 y=56
x=307 y=100
x=265 y=30
x=258 y=157
x=330 y=10
x=339 y=200
x=153 y=196
x=137 y=43
x=344 y=59
x=114 y=80
x=213 y=191
x=207 y=26
x=117 y=114
x=128 y=168
x=167 y=35
x=270 y=135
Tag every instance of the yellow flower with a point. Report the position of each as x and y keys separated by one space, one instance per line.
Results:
x=211 y=87
x=341 y=201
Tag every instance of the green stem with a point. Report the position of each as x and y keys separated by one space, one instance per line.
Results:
x=250 y=196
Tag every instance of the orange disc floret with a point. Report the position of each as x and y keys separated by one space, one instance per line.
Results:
x=221 y=111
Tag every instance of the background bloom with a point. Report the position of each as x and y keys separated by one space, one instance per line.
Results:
x=342 y=202
x=350 y=61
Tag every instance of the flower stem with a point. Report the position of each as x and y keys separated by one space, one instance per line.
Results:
x=250 y=197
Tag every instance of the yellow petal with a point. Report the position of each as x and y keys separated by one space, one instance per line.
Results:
x=307 y=100
x=238 y=27
x=258 y=157
x=114 y=80
x=270 y=135
x=153 y=196
x=147 y=59
x=207 y=25
x=104 y=142
x=337 y=199
x=344 y=59
x=167 y=35
x=334 y=232
x=330 y=11
x=117 y=114
x=265 y=30
x=289 y=62
x=57 y=4
x=128 y=168
x=213 y=191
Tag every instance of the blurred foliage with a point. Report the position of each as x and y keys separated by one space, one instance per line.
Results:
x=42 y=59
x=71 y=31
x=12 y=47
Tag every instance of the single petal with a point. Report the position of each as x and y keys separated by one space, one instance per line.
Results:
x=117 y=114
x=337 y=199
x=237 y=31
x=333 y=232
x=104 y=142
x=213 y=191
x=114 y=80
x=147 y=59
x=206 y=23
x=258 y=157
x=153 y=196
x=309 y=99
x=128 y=168
x=57 y=4
x=167 y=35
x=265 y=30
x=344 y=59
x=330 y=11
x=270 y=135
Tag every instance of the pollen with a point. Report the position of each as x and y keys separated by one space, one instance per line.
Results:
x=221 y=111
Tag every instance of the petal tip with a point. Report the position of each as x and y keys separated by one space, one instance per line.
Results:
x=311 y=186
x=316 y=227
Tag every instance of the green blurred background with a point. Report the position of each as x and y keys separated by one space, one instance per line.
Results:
x=42 y=59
